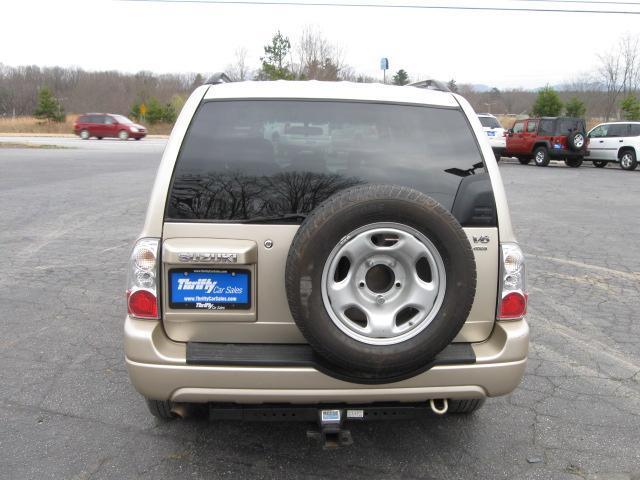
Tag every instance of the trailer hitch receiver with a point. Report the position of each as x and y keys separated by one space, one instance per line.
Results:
x=330 y=433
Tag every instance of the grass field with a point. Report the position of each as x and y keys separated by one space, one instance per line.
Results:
x=31 y=125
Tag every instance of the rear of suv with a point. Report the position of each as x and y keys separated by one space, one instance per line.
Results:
x=615 y=142
x=375 y=269
x=495 y=134
x=548 y=138
x=107 y=125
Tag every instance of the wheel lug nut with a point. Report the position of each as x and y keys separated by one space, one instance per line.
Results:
x=398 y=285
x=380 y=300
x=361 y=284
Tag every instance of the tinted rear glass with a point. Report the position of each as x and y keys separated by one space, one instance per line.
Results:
x=567 y=125
x=618 y=130
x=547 y=127
x=251 y=160
x=490 y=122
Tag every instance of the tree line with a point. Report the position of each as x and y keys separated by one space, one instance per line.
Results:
x=610 y=90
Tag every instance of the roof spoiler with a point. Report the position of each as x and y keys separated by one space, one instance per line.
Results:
x=431 y=84
x=218 y=78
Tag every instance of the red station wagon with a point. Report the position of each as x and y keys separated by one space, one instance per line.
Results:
x=102 y=125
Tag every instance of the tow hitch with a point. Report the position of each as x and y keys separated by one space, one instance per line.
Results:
x=330 y=420
x=331 y=434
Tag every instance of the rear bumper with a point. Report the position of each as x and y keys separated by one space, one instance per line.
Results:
x=158 y=369
x=562 y=153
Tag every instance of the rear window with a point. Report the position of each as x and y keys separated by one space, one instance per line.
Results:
x=490 y=122
x=567 y=125
x=261 y=159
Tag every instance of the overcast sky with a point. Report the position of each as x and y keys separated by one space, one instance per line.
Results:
x=503 y=49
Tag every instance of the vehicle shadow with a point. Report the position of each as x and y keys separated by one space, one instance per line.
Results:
x=389 y=449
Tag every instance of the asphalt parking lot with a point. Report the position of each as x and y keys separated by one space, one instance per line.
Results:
x=68 y=411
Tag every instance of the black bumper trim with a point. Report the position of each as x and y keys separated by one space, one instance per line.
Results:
x=300 y=355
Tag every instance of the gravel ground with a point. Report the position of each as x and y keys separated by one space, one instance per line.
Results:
x=69 y=411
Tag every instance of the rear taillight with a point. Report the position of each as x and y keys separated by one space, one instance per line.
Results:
x=142 y=279
x=513 y=298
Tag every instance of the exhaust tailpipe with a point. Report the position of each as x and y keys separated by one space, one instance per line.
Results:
x=181 y=410
x=439 y=406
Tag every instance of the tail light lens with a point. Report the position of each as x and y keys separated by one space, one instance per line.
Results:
x=142 y=279
x=513 y=298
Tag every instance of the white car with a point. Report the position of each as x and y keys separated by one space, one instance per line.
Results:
x=615 y=142
x=495 y=133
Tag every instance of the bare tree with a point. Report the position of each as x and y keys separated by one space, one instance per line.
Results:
x=317 y=58
x=609 y=73
x=630 y=58
x=619 y=72
x=238 y=70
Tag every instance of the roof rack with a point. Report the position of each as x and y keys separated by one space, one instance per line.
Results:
x=431 y=84
x=217 y=78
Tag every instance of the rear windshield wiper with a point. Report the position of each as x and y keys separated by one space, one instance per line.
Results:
x=287 y=217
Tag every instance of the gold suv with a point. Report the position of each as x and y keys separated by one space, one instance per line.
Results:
x=333 y=248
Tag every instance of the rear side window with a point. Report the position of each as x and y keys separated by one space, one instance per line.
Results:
x=532 y=126
x=547 y=127
x=490 y=122
x=634 y=130
x=251 y=160
x=618 y=130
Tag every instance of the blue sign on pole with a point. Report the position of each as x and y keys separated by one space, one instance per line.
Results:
x=384 y=64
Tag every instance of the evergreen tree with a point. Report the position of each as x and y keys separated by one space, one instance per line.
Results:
x=575 y=108
x=630 y=108
x=547 y=104
x=401 y=77
x=49 y=108
x=274 y=62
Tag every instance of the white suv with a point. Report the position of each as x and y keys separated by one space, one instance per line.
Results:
x=495 y=133
x=615 y=142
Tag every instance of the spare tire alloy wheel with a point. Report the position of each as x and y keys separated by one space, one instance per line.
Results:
x=576 y=140
x=628 y=160
x=379 y=280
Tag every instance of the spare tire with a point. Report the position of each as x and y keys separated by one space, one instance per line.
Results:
x=379 y=280
x=576 y=141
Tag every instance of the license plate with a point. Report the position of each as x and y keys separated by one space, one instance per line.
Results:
x=210 y=289
x=491 y=134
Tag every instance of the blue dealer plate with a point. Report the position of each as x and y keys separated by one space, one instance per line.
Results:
x=491 y=134
x=210 y=289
